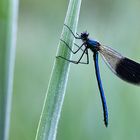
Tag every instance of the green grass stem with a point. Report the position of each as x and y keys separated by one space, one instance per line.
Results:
x=48 y=123
x=8 y=26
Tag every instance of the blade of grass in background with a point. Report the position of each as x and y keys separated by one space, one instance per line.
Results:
x=8 y=26
x=50 y=115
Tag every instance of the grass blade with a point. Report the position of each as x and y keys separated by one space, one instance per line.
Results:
x=8 y=26
x=50 y=115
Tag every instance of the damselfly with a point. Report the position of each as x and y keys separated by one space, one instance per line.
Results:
x=123 y=67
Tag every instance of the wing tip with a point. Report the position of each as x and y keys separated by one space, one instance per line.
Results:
x=128 y=70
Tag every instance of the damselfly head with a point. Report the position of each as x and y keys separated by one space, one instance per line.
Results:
x=84 y=36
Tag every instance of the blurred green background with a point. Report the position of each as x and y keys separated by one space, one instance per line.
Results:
x=113 y=23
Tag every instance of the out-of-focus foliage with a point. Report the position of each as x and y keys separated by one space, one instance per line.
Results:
x=113 y=23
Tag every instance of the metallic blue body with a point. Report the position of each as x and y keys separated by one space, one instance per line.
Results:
x=94 y=47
